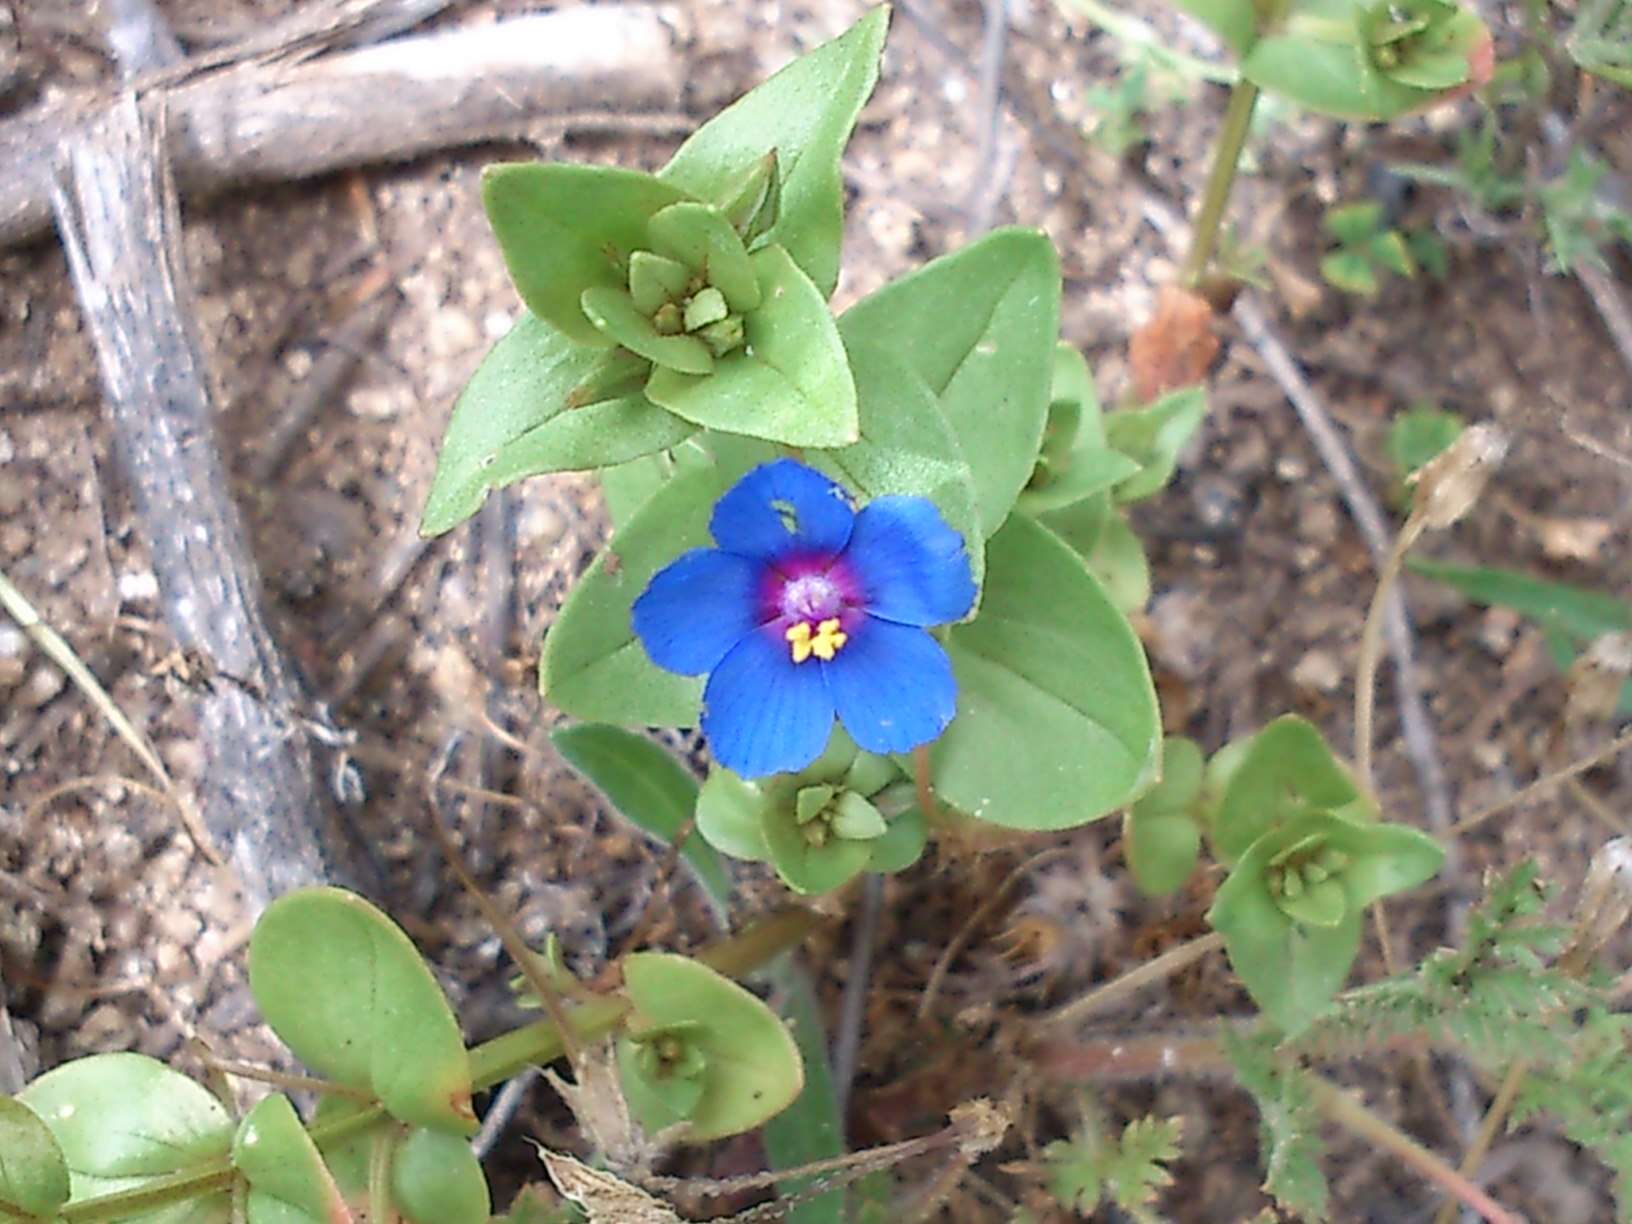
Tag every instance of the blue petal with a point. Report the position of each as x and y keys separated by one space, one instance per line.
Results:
x=911 y=565
x=695 y=609
x=781 y=508
x=892 y=686
x=762 y=712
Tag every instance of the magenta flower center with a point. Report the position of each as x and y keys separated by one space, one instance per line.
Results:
x=811 y=601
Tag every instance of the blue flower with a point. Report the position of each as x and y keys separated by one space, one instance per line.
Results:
x=807 y=610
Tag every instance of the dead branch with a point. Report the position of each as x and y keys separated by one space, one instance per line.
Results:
x=260 y=794
x=261 y=123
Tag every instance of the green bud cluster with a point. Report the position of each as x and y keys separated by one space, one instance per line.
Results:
x=1305 y=882
x=1422 y=44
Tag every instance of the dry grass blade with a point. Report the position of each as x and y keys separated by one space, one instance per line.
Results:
x=56 y=648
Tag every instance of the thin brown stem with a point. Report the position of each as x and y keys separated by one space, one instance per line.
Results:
x=1524 y=794
x=1489 y=1127
x=1344 y=1109
x=1135 y=980
x=1371 y=651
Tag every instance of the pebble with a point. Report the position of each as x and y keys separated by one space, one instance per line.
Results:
x=13 y=656
x=1181 y=631
x=1318 y=671
x=8 y=452
x=138 y=586
x=43 y=683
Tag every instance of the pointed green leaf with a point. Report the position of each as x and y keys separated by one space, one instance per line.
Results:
x=344 y=988
x=1057 y=721
x=564 y=229
x=804 y=113
x=648 y=787
x=979 y=327
x=790 y=384
x=1355 y=224
x=1329 y=77
x=1117 y=560
x=613 y=311
x=33 y=1172
x=1349 y=271
x=654 y=280
x=122 y=1119
x=436 y=1179
x=701 y=238
x=1153 y=436
x=753 y=1068
x=1287 y=770
x=288 y=1180
x=906 y=446
x=731 y=816
x=1390 y=250
x=513 y=420
x=901 y=844
x=1579 y=614
x=593 y=666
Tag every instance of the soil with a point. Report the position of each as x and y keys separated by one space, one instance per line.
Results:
x=116 y=934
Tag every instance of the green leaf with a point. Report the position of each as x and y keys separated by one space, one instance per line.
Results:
x=564 y=229
x=1118 y=562
x=810 y=1129
x=288 y=1180
x=33 y=1172
x=648 y=787
x=731 y=816
x=1418 y=435
x=1153 y=437
x=1290 y=1126
x=906 y=446
x=1580 y=615
x=979 y=327
x=1287 y=770
x=1332 y=78
x=790 y=383
x=513 y=420
x=1057 y=721
x=901 y=844
x=753 y=1068
x=1355 y=224
x=804 y=113
x=1390 y=251
x=436 y=1179
x=593 y=666
x=702 y=239
x=1291 y=968
x=121 y=1120
x=1160 y=832
x=1349 y=271
x=344 y=988
x=613 y=311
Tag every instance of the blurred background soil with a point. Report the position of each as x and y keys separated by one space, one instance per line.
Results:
x=115 y=934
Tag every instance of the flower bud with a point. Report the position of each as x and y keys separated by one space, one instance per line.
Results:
x=1448 y=485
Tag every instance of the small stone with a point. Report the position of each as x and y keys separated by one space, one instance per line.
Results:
x=1490 y=756
x=1181 y=632
x=372 y=403
x=13 y=656
x=297 y=363
x=43 y=683
x=495 y=323
x=1318 y=671
x=1319 y=524
x=8 y=452
x=1291 y=468
x=138 y=586
x=450 y=331
x=1497 y=629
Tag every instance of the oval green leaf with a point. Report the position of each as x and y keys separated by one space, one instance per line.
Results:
x=436 y=1179
x=593 y=666
x=979 y=327
x=514 y=419
x=346 y=990
x=804 y=113
x=753 y=1067
x=33 y=1171
x=288 y=1180
x=121 y=1120
x=648 y=787
x=1287 y=770
x=564 y=228
x=790 y=383
x=1057 y=721
x=730 y=815
x=906 y=447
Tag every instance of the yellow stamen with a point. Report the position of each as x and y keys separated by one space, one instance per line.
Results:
x=824 y=642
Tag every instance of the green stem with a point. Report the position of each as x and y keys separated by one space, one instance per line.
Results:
x=1232 y=138
x=490 y=1063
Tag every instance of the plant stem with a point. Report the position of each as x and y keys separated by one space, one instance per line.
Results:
x=1489 y=1127
x=1232 y=138
x=1542 y=783
x=1371 y=648
x=1135 y=980
x=490 y=1062
x=1346 y=1111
